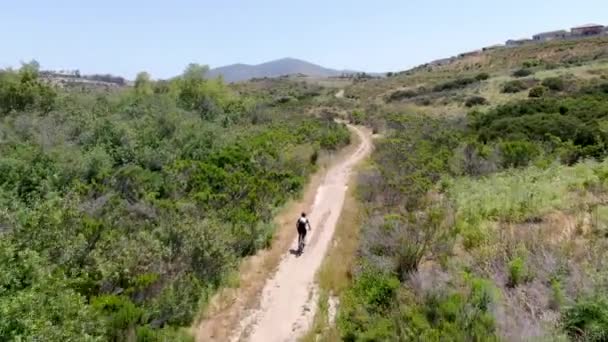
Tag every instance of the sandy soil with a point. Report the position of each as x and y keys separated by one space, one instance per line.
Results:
x=289 y=298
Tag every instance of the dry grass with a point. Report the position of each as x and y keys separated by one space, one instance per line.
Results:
x=335 y=273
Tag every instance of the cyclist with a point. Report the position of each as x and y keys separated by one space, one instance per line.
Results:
x=302 y=225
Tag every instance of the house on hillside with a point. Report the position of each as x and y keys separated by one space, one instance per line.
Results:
x=553 y=35
x=518 y=42
x=587 y=30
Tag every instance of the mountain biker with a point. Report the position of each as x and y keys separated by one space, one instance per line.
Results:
x=302 y=225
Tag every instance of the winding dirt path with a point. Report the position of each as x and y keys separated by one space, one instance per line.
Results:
x=289 y=298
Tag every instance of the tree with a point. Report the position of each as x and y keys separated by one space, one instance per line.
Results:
x=24 y=90
x=143 y=85
x=195 y=71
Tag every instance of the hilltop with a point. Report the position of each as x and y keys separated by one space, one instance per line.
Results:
x=444 y=88
x=276 y=68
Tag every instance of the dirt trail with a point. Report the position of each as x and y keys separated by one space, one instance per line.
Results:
x=285 y=301
x=289 y=298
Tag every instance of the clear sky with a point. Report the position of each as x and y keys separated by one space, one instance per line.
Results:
x=126 y=36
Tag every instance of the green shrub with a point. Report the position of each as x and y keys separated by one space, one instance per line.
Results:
x=532 y=63
x=358 y=117
x=455 y=84
x=522 y=72
x=121 y=313
x=554 y=83
x=399 y=95
x=557 y=295
x=518 y=153
x=451 y=316
x=587 y=320
x=541 y=127
x=515 y=86
x=518 y=271
x=365 y=303
x=538 y=91
x=24 y=90
x=473 y=234
x=482 y=76
x=476 y=101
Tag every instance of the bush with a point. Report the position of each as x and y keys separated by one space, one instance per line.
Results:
x=476 y=101
x=557 y=295
x=482 y=76
x=24 y=90
x=522 y=72
x=518 y=271
x=538 y=91
x=554 y=83
x=402 y=94
x=455 y=84
x=357 y=117
x=516 y=86
x=587 y=320
x=451 y=316
x=518 y=153
x=364 y=304
x=541 y=127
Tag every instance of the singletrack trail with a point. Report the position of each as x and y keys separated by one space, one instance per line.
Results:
x=288 y=300
x=289 y=297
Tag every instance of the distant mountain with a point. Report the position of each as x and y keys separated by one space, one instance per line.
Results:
x=280 y=67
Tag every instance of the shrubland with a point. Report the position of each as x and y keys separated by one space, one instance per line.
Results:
x=489 y=225
x=122 y=211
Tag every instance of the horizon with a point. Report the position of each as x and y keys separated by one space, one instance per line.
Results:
x=125 y=38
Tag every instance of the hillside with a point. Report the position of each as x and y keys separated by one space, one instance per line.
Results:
x=444 y=89
x=279 y=67
x=485 y=211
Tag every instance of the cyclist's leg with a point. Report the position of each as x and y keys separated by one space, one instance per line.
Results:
x=299 y=239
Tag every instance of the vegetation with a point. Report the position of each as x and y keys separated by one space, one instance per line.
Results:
x=455 y=84
x=538 y=91
x=482 y=76
x=516 y=86
x=123 y=211
x=476 y=101
x=554 y=83
x=482 y=213
x=490 y=225
x=522 y=72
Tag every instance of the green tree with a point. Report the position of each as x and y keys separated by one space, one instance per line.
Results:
x=143 y=85
x=195 y=71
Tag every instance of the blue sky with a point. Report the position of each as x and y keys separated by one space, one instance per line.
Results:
x=161 y=37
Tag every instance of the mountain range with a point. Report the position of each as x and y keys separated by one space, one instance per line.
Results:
x=276 y=68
